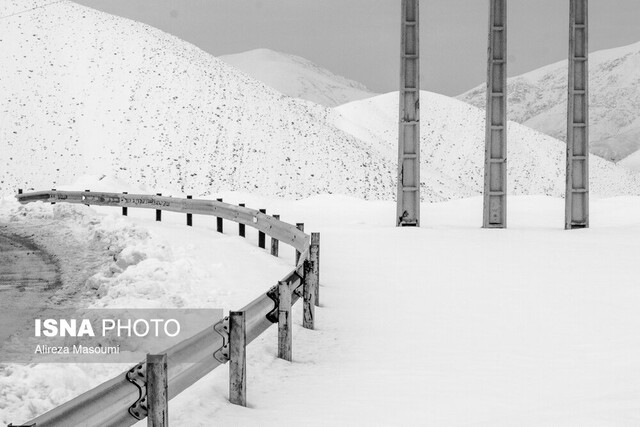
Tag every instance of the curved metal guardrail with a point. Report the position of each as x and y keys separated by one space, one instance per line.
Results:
x=121 y=400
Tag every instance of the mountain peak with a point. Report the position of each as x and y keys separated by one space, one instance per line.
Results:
x=298 y=77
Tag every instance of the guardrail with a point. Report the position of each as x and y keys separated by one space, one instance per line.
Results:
x=122 y=401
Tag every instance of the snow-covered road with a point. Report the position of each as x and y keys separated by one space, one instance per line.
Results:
x=28 y=275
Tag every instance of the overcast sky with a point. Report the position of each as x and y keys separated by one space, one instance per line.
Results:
x=360 y=38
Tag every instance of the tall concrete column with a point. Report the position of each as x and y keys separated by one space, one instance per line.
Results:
x=577 y=191
x=408 y=199
x=495 y=167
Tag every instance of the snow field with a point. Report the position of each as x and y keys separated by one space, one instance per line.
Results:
x=416 y=329
x=448 y=324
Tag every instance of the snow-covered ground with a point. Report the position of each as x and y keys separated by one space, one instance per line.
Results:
x=444 y=325
x=448 y=324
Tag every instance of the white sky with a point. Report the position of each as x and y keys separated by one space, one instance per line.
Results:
x=360 y=38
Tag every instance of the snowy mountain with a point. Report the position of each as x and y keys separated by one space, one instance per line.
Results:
x=452 y=148
x=87 y=93
x=539 y=100
x=298 y=77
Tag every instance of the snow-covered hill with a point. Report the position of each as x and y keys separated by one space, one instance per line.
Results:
x=452 y=148
x=298 y=77
x=539 y=100
x=105 y=95
x=85 y=92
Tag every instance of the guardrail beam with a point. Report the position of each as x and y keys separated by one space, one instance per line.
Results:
x=116 y=401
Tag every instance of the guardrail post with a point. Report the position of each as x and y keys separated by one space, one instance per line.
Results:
x=87 y=191
x=237 y=358
x=219 y=222
x=299 y=226
x=284 y=321
x=275 y=242
x=314 y=257
x=158 y=211
x=261 y=237
x=157 y=395
x=189 y=216
x=241 y=228
x=125 y=210
x=308 y=296
x=53 y=189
